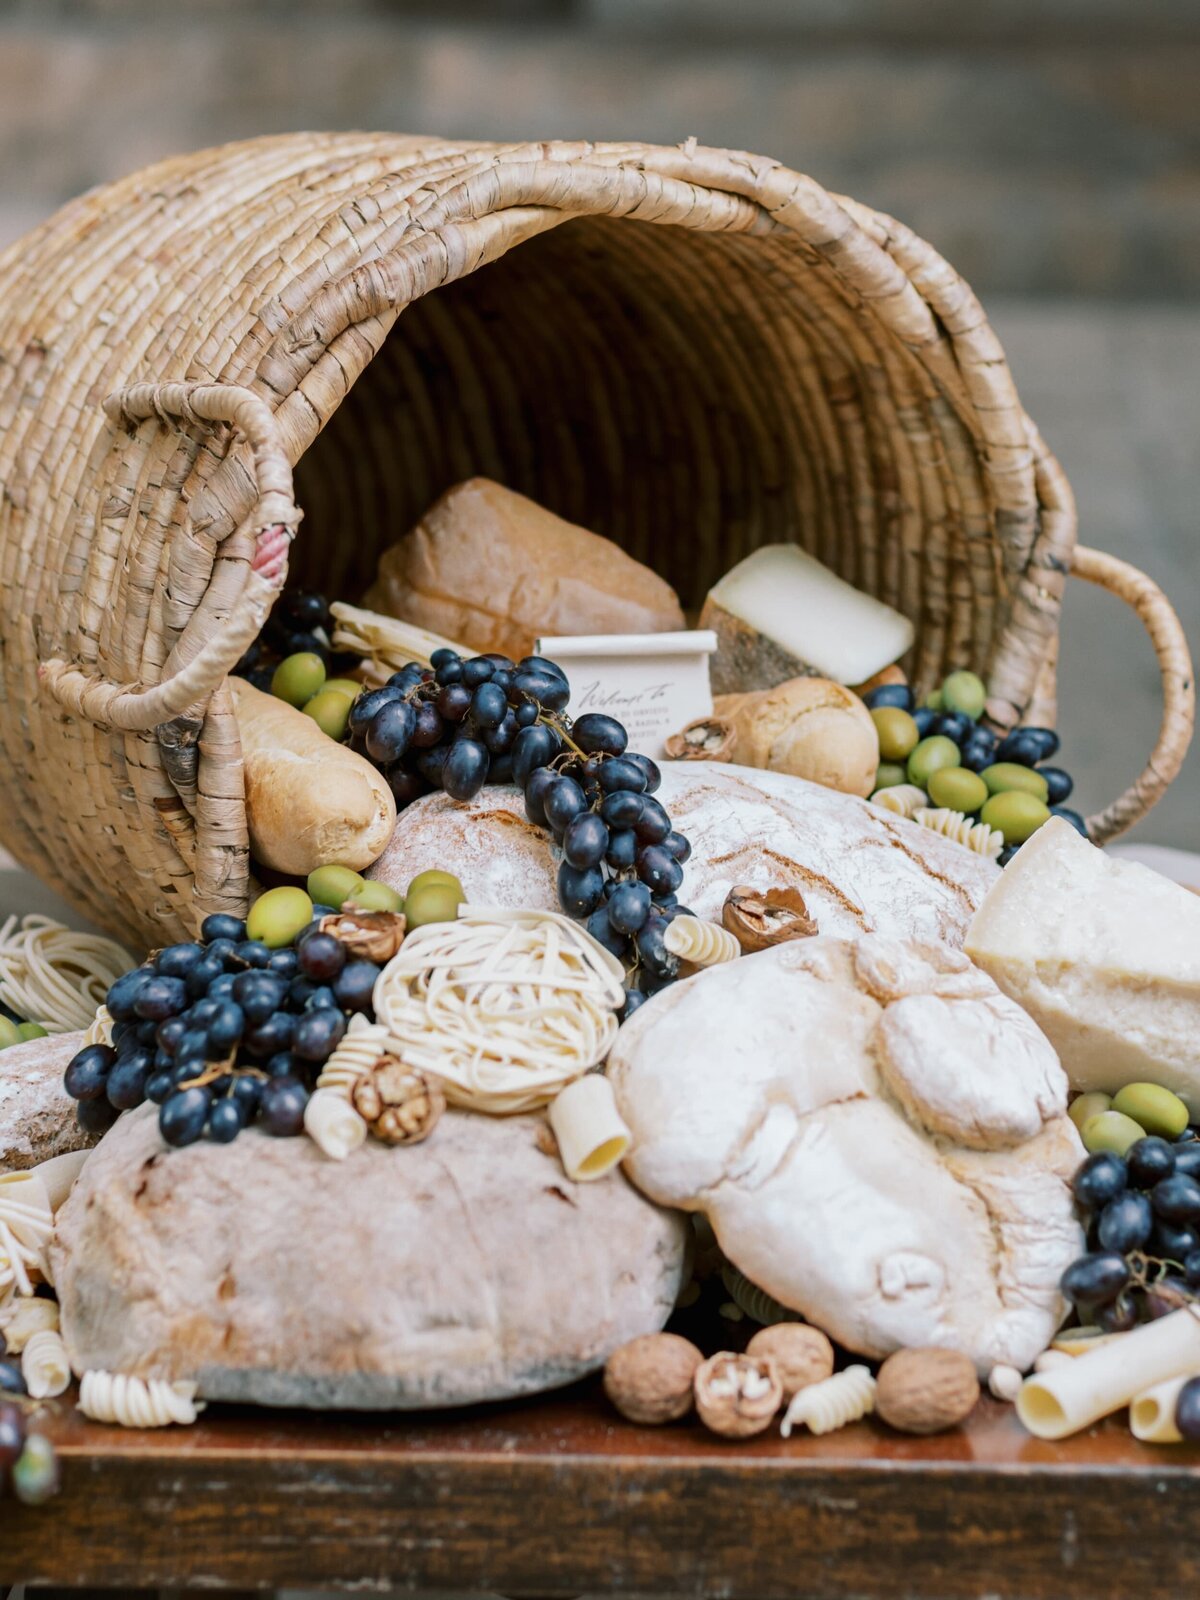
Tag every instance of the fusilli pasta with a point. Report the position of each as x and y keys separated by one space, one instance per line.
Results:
x=44 y=1364
x=954 y=825
x=21 y=1319
x=137 y=1402
x=359 y=1049
x=100 y=1029
x=905 y=799
x=758 y=1305
x=333 y=1124
x=704 y=944
x=831 y=1404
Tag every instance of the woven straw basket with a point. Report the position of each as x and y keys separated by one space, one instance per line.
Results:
x=694 y=351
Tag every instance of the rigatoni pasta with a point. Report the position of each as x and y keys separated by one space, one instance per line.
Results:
x=592 y=1138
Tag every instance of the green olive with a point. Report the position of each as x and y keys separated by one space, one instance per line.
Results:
x=965 y=692
x=9 y=1033
x=434 y=875
x=333 y=885
x=330 y=711
x=1004 y=777
x=434 y=902
x=32 y=1030
x=957 y=789
x=930 y=756
x=933 y=700
x=349 y=686
x=1017 y=816
x=297 y=678
x=1157 y=1109
x=898 y=733
x=1086 y=1106
x=278 y=916
x=890 y=774
x=1111 y=1131
x=374 y=896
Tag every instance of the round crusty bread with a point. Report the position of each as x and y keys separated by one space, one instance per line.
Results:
x=309 y=800
x=809 y=727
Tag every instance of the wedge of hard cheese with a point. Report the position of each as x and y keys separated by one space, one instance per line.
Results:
x=780 y=614
x=1104 y=955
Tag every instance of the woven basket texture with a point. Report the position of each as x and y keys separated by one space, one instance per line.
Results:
x=693 y=351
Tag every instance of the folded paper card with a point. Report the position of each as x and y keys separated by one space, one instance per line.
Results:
x=653 y=683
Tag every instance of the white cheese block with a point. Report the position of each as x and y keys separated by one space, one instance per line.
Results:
x=1104 y=955
x=816 y=621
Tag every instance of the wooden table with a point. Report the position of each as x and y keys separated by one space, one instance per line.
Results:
x=559 y=1497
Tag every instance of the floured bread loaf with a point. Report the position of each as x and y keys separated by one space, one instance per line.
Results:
x=860 y=870
x=809 y=727
x=37 y=1116
x=876 y=1134
x=466 y=1268
x=544 y=576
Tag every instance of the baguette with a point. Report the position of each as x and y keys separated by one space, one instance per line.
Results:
x=310 y=802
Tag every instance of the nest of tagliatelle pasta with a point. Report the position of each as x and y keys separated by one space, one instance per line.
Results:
x=506 y=952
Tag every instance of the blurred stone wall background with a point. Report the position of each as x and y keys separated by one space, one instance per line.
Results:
x=1049 y=148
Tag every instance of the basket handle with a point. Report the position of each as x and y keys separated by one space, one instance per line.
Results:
x=1179 y=690
x=274 y=518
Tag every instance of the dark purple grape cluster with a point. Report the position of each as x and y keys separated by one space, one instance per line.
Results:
x=222 y=1032
x=27 y=1459
x=1143 y=1211
x=460 y=723
x=300 y=622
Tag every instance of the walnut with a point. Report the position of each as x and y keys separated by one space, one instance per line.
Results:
x=367 y=935
x=802 y=1355
x=737 y=1396
x=649 y=1379
x=759 y=919
x=706 y=739
x=398 y=1104
x=926 y=1391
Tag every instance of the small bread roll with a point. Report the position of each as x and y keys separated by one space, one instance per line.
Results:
x=309 y=800
x=808 y=727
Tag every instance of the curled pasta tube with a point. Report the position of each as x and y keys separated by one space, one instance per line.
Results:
x=832 y=1403
x=704 y=944
x=1152 y=1413
x=357 y=1051
x=976 y=836
x=44 y=1365
x=333 y=1124
x=592 y=1139
x=137 y=1402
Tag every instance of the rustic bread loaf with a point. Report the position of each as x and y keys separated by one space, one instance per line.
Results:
x=463 y=1269
x=37 y=1116
x=859 y=869
x=309 y=800
x=494 y=570
x=809 y=727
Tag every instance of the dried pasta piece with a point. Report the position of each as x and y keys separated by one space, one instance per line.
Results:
x=137 y=1402
x=21 y=1319
x=503 y=1007
x=954 y=825
x=757 y=1304
x=44 y=1365
x=833 y=1403
x=363 y=1044
x=592 y=1138
x=26 y=1222
x=58 y=1175
x=704 y=944
x=55 y=976
x=385 y=643
x=100 y=1029
x=333 y=1124
x=1152 y=1413
x=904 y=799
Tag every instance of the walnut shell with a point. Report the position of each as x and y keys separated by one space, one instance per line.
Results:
x=369 y=935
x=926 y=1391
x=649 y=1380
x=737 y=1396
x=759 y=919
x=399 y=1104
x=706 y=739
x=802 y=1355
